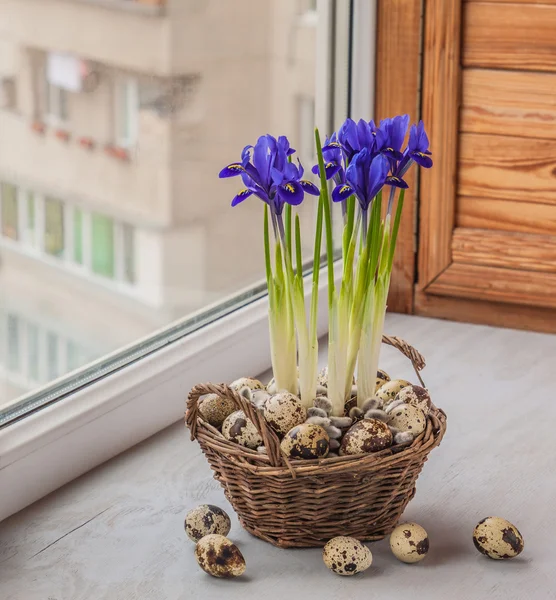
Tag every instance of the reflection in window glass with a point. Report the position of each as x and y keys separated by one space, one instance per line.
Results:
x=14 y=348
x=30 y=218
x=118 y=153
x=78 y=236
x=129 y=253
x=8 y=196
x=102 y=245
x=53 y=227
x=53 y=365
x=32 y=352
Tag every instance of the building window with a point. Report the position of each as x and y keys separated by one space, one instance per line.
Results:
x=128 y=253
x=56 y=103
x=78 y=236
x=35 y=353
x=92 y=242
x=127 y=112
x=102 y=245
x=14 y=345
x=10 y=212
x=54 y=227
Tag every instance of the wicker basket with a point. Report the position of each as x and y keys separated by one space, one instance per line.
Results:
x=304 y=503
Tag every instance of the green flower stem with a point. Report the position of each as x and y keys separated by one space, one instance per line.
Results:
x=281 y=325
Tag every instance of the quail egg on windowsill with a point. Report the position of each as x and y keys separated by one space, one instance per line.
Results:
x=497 y=538
x=206 y=519
x=346 y=556
x=219 y=557
x=409 y=542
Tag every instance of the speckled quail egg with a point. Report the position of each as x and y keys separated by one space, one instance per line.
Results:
x=322 y=378
x=219 y=557
x=206 y=519
x=346 y=556
x=407 y=417
x=248 y=382
x=367 y=435
x=215 y=409
x=382 y=377
x=307 y=441
x=283 y=412
x=409 y=542
x=415 y=395
x=497 y=538
x=390 y=389
x=240 y=429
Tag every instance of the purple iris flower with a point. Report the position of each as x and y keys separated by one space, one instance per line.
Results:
x=394 y=131
x=268 y=174
x=365 y=177
x=417 y=150
x=333 y=160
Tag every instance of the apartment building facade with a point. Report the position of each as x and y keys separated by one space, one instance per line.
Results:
x=115 y=118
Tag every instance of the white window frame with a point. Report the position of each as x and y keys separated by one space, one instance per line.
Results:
x=102 y=418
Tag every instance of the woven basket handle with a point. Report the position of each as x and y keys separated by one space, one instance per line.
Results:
x=270 y=439
x=406 y=349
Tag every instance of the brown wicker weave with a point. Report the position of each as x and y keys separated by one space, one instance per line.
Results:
x=304 y=503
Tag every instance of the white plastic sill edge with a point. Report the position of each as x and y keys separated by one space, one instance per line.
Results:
x=44 y=451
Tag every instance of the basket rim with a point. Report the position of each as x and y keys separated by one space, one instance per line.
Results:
x=258 y=463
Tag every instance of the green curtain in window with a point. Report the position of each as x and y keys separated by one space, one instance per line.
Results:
x=102 y=245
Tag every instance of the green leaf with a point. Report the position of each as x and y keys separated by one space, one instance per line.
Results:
x=268 y=264
x=298 y=258
x=288 y=223
x=395 y=229
x=324 y=198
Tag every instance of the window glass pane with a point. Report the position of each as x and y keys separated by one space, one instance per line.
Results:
x=132 y=193
x=78 y=236
x=102 y=245
x=30 y=219
x=14 y=347
x=52 y=355
x=8 y=196
x=128 y=253
x=32 y=352
x=53 y=227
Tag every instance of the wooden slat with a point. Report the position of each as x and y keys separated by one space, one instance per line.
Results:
x=397 y=93
x=506 y=167
x=531 y=318
x=504 y=249
x=501 y=102
x=510 y=36
x=440 y=108
x=497 y=284
x=506 y=215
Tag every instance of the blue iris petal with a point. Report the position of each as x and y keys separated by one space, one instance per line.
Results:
x=309 y=188
x=291 y=192
x=231 y=170
x=342 y=192
x=241 y=196
x=396 y=182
